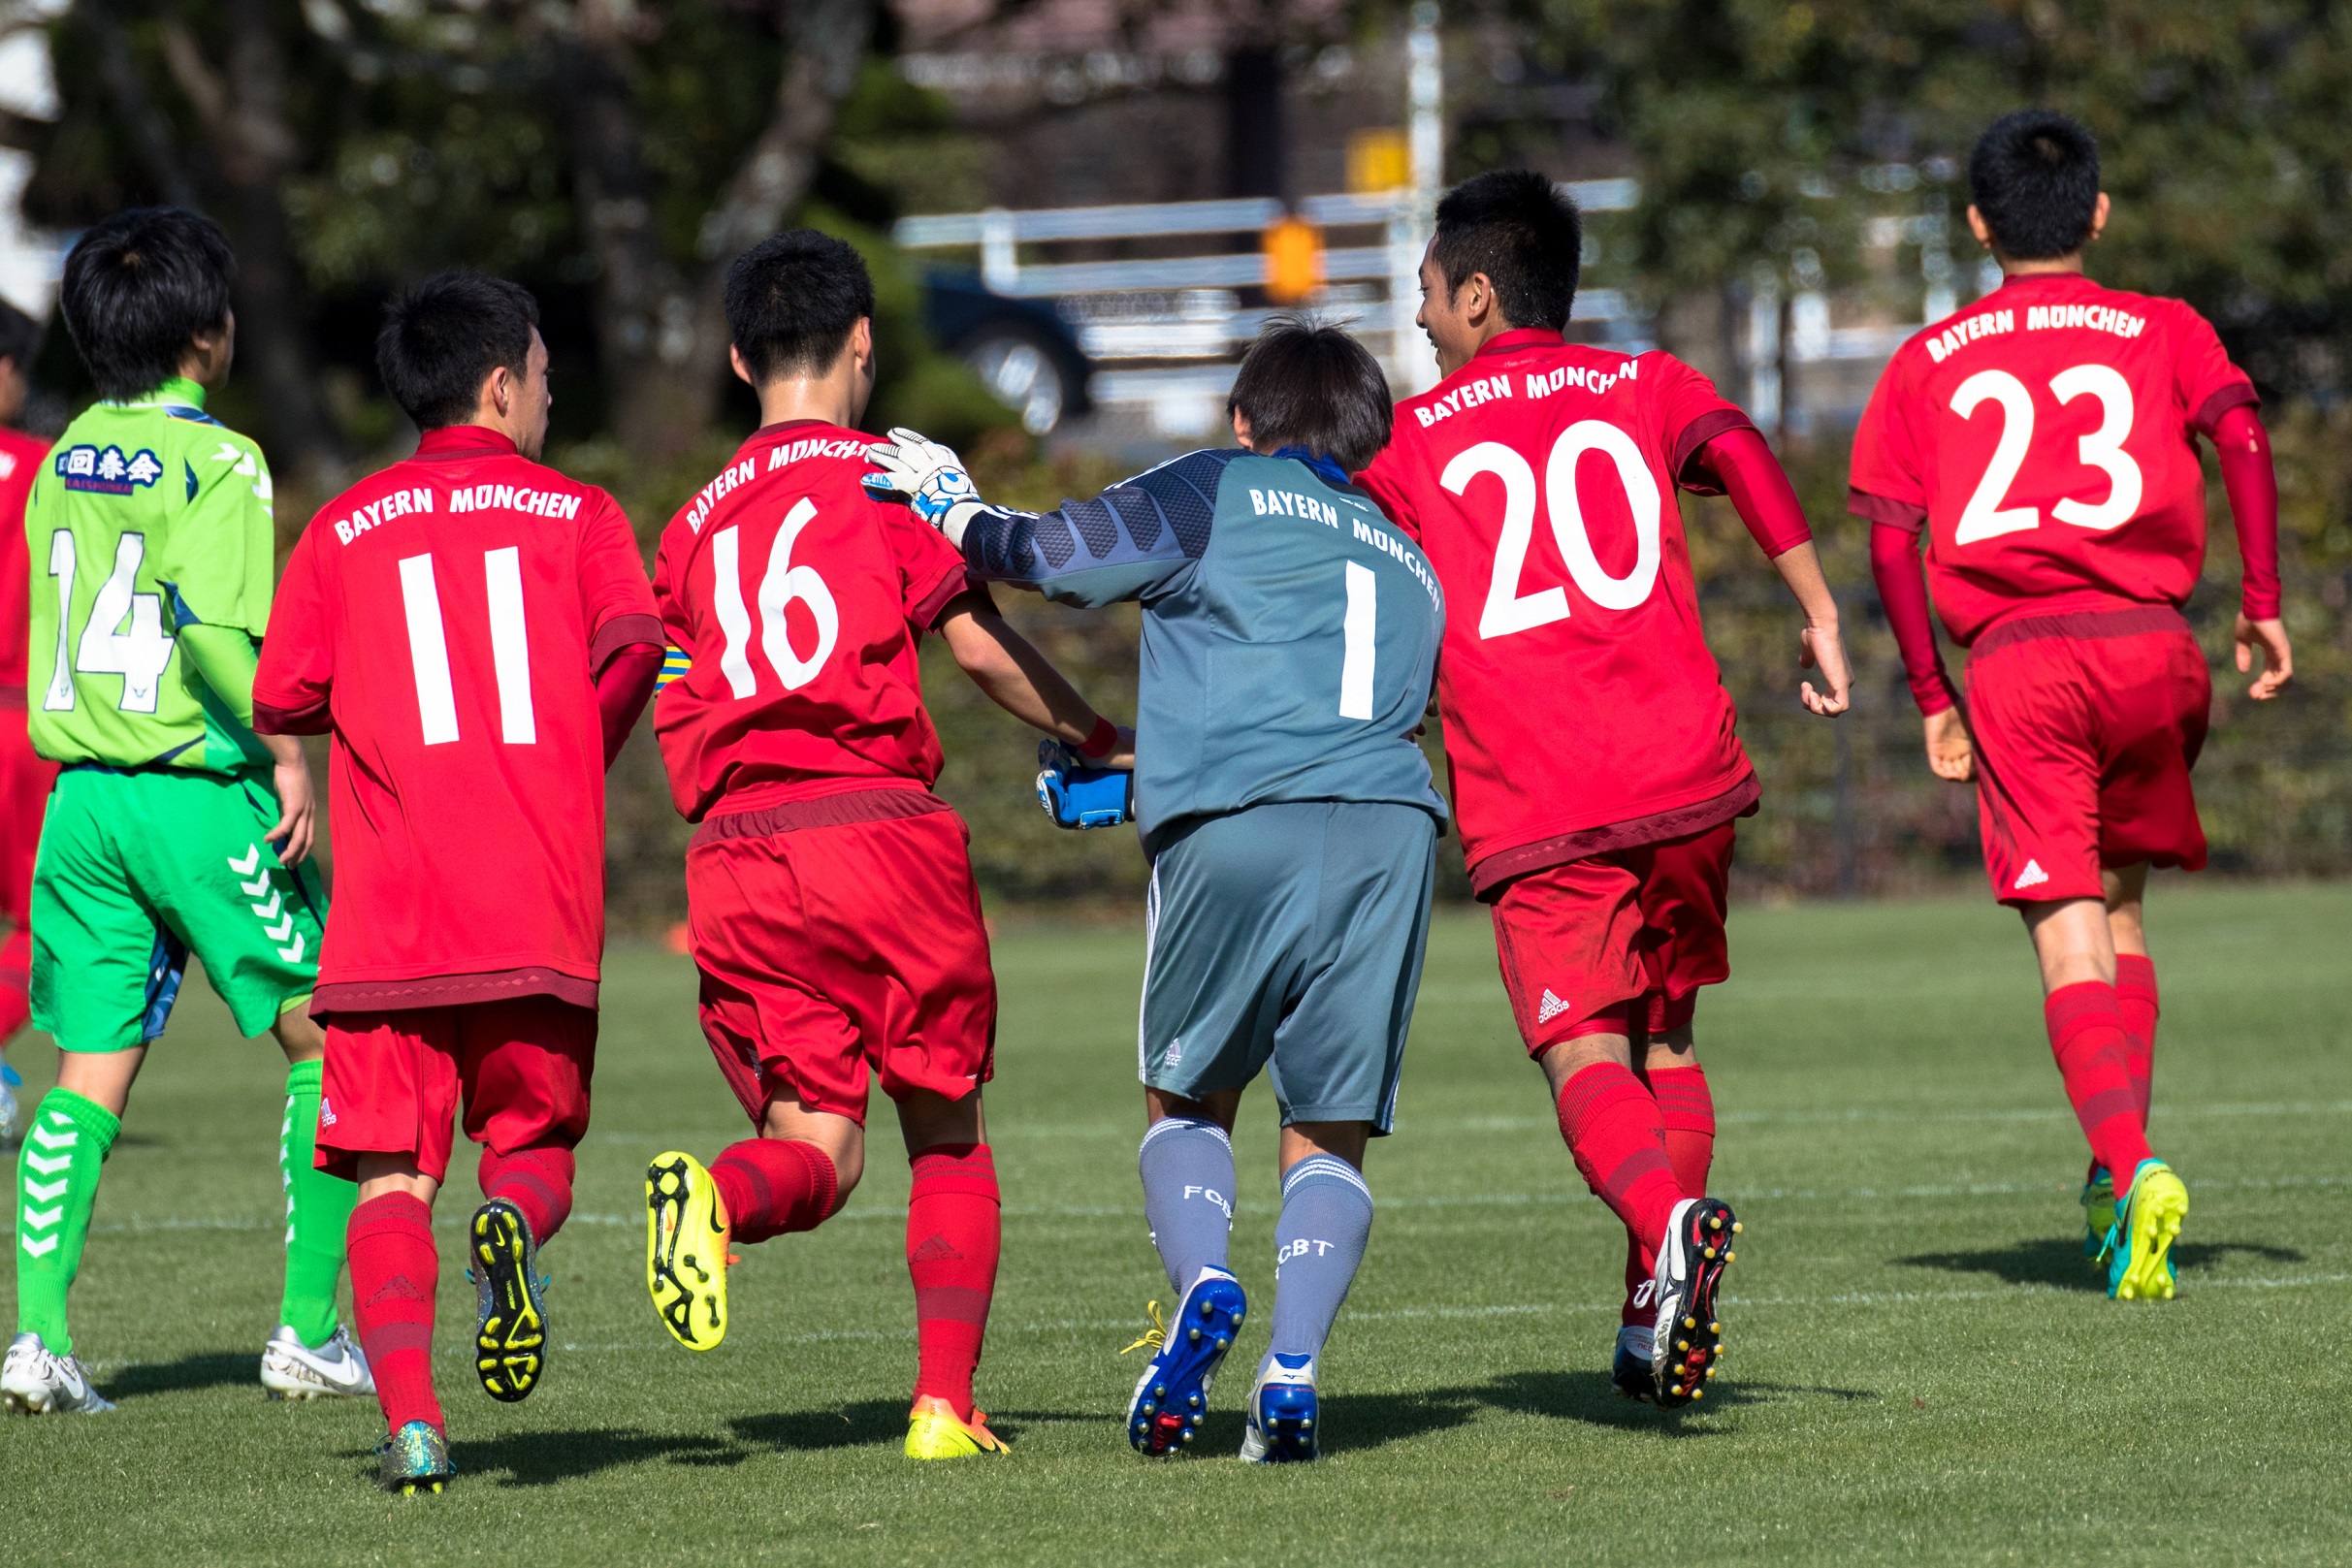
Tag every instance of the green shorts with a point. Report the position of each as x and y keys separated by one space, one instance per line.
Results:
x=136 y=871
x=1287 y=938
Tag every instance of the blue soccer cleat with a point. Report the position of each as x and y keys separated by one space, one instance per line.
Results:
x=1172 y=1396
x=1077 y=794
x=1629 y=1372
x=1282 y=1412
x=413 y=1460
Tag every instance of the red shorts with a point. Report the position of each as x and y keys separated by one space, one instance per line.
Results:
x=1615 y=943
x=827 y=949
x=393 y=1080
x=2085 y=728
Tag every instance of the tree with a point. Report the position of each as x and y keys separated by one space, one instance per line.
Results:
x=1758 y=127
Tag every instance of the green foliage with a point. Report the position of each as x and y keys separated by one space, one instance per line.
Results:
x=1757 y=125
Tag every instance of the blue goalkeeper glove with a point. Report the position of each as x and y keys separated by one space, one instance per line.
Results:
x=927 y=476
x=1078 y=795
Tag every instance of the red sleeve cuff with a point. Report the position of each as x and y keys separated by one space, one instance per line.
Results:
x=953 y=583
x=617 y=633
x=1880 y=509
x=1697 y=434
x=294 y=718
x=2237 y=395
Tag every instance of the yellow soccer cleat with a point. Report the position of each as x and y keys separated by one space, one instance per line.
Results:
x=686 y=1256
x=2147 y=1220
x=933 y=1432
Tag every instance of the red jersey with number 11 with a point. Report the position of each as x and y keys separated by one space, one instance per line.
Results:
x=1583 y=711
x=446 y=616
x=800 y=604
x=2044 y=434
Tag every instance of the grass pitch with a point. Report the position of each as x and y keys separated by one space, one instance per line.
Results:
x=1921 y=1367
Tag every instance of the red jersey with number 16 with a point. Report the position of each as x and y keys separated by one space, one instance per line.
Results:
x=1583 y=711
x=798 y=602
x=446 y=618
x=2044 y=432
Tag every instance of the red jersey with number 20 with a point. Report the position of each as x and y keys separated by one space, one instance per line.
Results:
x=800 y=604
x=448 y=616
x=2045 y=433
x=1583 y=711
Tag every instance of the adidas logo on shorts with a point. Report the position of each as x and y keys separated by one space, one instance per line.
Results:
x=2033 y=875
x=1550 y=1008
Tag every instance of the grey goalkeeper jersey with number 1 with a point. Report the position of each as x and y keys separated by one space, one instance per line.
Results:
x=1290 y=632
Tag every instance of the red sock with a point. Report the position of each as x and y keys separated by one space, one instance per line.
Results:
x=1686 y=1110
x=2136 y=994
x=2087 y=1037
x=537 y=1181
x=394 y=1273
x=1613 y=1130
x=771 y=1185
x=954 y=1226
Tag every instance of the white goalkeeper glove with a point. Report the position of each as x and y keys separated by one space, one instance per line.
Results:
x=928 y=476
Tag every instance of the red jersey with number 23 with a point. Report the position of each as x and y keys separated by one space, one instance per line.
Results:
x=448 y=616
x=798 y=602
x=2045 y=433
x=1583 y=711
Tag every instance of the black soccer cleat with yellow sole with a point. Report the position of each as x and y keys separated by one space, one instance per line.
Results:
x=1687 y=1338
x=686 y=1249
x=510 y=1310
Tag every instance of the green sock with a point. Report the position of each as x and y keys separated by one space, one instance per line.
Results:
x=56 y=1187
x=318 y=1210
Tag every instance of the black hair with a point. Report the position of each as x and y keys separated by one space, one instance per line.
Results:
x=1307 y=384
x=1524 y=233
x=137 y=288
x=444 y=336
x=793 y=301
x=20 y=337
x=2033 y=177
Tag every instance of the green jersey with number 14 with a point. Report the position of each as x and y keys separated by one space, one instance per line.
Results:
x=149 y=517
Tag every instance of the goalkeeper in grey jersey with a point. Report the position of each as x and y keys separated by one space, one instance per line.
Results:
x=1290 y=640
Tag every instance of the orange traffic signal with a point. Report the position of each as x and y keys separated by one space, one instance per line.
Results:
x=1294 y=260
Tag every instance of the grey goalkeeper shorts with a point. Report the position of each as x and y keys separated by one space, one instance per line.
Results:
x=1289 y=937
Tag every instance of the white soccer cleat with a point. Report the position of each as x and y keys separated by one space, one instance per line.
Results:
x=1282 y=1411
x=335 y=1370
x=36 y=1382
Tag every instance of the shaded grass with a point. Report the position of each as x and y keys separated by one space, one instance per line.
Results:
x=1920 y=1368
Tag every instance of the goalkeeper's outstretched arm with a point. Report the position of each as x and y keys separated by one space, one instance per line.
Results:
x=1019 y=680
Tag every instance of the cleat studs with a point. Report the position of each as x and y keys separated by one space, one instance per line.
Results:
x=1223 y=1343
x=1690 y=1323
x=1159 y=1391
x=1732 y=1257
x=1714 y=1328
x=1187 y=1436
x=1195 y=1402
x=1716 y=1223
x=1737 y=1227
x=1682 y=1344
x=1680 y=1368
x=1238 y=1315
x=1709 y=1371
x=1709 y=1252
x=1698 y=1393
x=1195 y=1335
x=1208 y=1308
x=1148 y=1408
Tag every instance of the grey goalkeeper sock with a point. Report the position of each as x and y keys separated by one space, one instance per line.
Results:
x=1326 y=1219
x=1187 y=1170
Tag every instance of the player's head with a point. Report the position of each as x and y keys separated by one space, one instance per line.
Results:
x=1308 y=385
x=2033 y=181
x=800 y=307
x=464 y=348
x=1507 y=253
x=147 y=297
x=19 y=345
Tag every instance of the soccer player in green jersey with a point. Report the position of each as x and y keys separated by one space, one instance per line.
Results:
x=173 y=828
